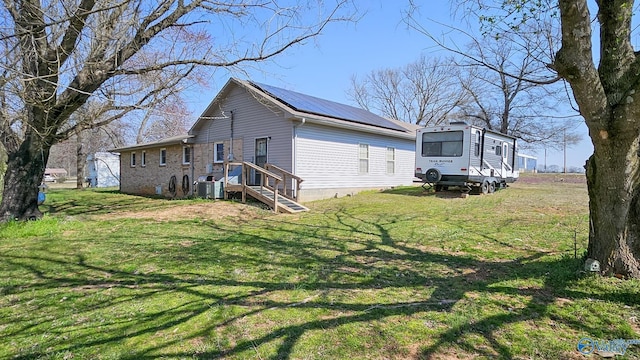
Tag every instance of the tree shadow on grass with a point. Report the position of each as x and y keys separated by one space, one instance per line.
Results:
x=419 y=191
x=86 y=204
x=374 y=259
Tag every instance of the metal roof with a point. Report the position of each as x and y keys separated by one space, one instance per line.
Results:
x=313 y=105
x=179 y=139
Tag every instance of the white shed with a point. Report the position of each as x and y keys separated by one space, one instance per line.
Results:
x=104 y=169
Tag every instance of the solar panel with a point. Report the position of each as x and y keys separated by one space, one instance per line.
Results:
x=317 y=106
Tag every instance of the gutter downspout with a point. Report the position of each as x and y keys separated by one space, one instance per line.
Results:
x=294 y=150
x=230 y=156
x=192 y=166
x=294 y=166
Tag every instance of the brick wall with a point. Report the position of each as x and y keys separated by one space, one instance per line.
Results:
x=203 y=155
x=147 y=179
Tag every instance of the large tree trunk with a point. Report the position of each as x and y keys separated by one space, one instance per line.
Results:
x=613 y=178
x=25 y=169
x=81 y=160
x=609 y=101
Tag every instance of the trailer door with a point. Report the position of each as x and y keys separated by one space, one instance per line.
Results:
x=506 y=168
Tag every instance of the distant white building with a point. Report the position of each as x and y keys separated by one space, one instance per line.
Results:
x=527 y=163
x=104 y=169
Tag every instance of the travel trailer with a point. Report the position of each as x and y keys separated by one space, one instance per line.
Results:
x=466 y=156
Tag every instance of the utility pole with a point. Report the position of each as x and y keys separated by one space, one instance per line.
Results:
x=564 y=144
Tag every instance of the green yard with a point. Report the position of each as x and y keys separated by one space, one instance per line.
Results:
x=392 y=275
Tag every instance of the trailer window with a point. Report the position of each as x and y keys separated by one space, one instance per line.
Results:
x=442 y=143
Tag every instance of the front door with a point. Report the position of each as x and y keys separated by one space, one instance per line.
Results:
x=260 y=157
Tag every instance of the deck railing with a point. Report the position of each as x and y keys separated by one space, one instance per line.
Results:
x=288 y=178
x=268 y=181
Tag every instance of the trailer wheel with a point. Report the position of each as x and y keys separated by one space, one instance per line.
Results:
x=484 y=188
x=433 y=175
x=492 y=187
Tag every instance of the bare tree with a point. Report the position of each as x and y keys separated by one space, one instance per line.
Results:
x=423 y=92
x=3 y=166
x=608 y=98
x=505 y=77
x=71 y=154
x=63 y=155
x=58 y=55
x=170 y=117
x=494 y=74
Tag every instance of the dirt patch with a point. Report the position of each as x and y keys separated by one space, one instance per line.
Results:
x=206 y=211
x=552 y=178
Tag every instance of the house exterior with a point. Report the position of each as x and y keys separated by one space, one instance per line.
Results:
x=335 y=148
x=52 y=174
x=150 y=169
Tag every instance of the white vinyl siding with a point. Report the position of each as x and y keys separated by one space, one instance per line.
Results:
x=326 y=157
x=252 y=120
x=329 y=158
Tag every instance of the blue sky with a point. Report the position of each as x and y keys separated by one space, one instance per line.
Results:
x=324 y=66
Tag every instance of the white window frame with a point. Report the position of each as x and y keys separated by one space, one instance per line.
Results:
x=143 y=159
x=160 y=162
x=215 y=153
x=185 y=150
x=391 y=162
x=132 y=159
x=363 y=159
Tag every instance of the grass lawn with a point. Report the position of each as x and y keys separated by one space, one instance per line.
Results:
x=399 y=274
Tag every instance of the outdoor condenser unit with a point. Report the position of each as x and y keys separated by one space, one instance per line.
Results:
x=209 y=188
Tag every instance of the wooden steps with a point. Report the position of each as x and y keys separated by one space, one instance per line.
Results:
x=271 y=181
x=265 y=195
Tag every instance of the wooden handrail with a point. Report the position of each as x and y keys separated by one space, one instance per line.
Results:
x=266 y=176
x=262 y=170
x=286 y=174
x=283 y=171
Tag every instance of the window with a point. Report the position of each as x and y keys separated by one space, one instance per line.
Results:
x=478 y=143
x=391 y=160
x=186 y=155
x=499 y=150
x=133 y=159
x=163 y=157
x=363 y=156
x=218 y=152
x=442 y=143
x=505 y=150
x=143 y=159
